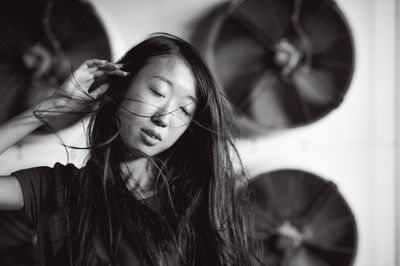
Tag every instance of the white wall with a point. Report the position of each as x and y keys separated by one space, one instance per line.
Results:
x=354 y=146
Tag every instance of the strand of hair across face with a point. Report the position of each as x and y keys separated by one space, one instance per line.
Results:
x=172 y=112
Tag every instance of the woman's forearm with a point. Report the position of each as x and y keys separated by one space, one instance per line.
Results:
x=15 y=129
x=73 y=96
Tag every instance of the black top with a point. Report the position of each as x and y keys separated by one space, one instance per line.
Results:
x=43 y=192
x=16 y=240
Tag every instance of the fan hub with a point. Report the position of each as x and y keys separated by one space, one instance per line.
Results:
x=289 y=237
x=38 y=59
x=287 y=56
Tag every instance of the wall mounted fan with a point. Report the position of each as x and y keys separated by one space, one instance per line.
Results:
x=302 y=220
x=43 y=41
x=282 y=63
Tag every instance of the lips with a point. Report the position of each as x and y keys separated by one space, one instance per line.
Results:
x=152 y=133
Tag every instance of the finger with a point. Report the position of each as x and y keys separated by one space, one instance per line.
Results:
x=103 y=64
x=94 y=62
x=92 y=69
x=97 y=71
x=119 y=73
x=100 y=73
x=109 y=66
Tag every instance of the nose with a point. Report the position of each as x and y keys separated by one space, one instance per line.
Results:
x=160 y=118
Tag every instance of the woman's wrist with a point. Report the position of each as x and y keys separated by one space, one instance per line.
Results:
x=59 y=104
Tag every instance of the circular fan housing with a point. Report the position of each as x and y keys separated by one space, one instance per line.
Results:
x=302 y=220
x=282 y=63
x=43 y=42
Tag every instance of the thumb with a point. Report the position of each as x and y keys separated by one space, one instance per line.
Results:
x=99 y=91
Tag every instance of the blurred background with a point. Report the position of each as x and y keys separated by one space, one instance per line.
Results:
x=313 y=84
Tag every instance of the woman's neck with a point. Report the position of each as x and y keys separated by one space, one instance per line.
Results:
x=140 y=178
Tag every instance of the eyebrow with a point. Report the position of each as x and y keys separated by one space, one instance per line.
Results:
x=170 y=83
x=163 y=79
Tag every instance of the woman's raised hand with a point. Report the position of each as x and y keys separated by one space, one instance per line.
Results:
x=74 y=94
x=81 y=80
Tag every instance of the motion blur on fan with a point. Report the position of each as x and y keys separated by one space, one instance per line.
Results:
x=282 y=63
x=42 y=42
x=302 y=220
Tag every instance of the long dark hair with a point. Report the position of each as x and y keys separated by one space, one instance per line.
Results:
x=202 y=220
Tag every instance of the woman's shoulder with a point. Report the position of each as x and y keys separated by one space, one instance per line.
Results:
x=43 y=189
x=44 y=181
x=65 y=170
x=58 y=170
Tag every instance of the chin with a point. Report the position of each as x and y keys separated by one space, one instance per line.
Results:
x=148 y=151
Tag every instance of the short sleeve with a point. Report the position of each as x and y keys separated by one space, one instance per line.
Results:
x=41 y=189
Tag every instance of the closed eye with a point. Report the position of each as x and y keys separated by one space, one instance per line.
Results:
x=185 y=112
x=157 y=93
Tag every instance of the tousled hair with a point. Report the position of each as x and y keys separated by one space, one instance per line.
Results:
x=202 y=220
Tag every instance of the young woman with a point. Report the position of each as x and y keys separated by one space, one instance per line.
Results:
x=158 y=186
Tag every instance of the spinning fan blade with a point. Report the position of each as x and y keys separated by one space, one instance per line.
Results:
x=264 y=194
x=13 y=84
x=313 y=223
x=263 y=104
x=233 y=64
x=240 y=88
x=316 y=20
x=314 y=86
x=278 y=193
x=43 y=42
x=75 y=27
x=333 y=231
x=303 y=257
x=305 y=43
x=303 y=194
x=322 y=43
x=330 y=226
x=14 y=45
x=266 y=21
x=79 y=53
x=265 y=224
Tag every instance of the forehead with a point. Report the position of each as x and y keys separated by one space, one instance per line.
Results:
x=170 y=71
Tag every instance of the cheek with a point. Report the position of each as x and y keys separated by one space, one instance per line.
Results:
x=129 y=125
x=135 y=109
x=126 y=133
x=140 y=104
x=175 y=134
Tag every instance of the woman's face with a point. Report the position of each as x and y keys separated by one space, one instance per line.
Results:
x=159 y=105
